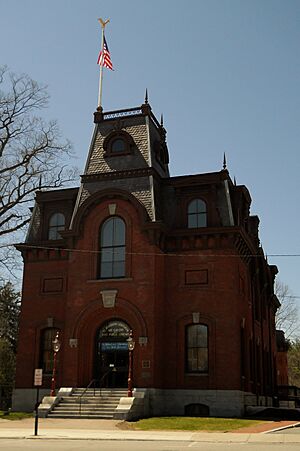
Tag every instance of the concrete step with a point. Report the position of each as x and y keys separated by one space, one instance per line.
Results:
x=86 y=411
x=91 y=408
x=86 y=406
x=83 y=416
x=104 y=389
x=99 y=394
x=95 y=400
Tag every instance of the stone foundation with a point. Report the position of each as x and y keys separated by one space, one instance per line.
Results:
x=222 y=403
x=24 y=399
x=158 y=402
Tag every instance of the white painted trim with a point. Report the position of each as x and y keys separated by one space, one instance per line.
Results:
x=227 y=193
x=150 y=165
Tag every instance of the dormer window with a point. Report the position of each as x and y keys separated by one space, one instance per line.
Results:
x=118 y=143
x=197 y=216
x=56 y=224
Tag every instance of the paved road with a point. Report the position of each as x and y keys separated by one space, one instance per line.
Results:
x=117 y=445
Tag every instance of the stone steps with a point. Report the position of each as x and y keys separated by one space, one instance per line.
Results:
x=85 y=400
x=88 y=404
x=82 y=416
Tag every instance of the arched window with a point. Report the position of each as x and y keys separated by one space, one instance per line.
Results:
x=197 y=348
x=197 y=213
x=46 y=349
x=56 y=223
x=118 y=145
x=112 y=248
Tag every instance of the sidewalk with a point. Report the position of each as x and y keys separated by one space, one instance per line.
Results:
x=108 y=430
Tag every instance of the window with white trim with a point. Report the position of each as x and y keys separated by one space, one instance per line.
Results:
x=112 y=248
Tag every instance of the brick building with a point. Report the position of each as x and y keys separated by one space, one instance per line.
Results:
x=177 y=260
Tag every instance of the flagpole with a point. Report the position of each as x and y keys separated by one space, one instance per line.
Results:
x=103 y=23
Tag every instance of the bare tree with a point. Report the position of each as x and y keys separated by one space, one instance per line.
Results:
x=32 y=155
x=294 y=362
x=287 y=316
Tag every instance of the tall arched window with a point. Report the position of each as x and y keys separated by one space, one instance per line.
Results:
x=197 y=348
x=112 y=248
x=46 y=349
x=56 y=224
x=197 y=216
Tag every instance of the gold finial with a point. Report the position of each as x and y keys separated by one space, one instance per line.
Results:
x=103 y=23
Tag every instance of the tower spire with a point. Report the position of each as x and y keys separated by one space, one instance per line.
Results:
x=146 y=97
x=224 y=162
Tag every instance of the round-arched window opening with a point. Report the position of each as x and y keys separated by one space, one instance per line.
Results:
x=56 y=224
x=111 y=354
x=112 y=248
x=118 y=145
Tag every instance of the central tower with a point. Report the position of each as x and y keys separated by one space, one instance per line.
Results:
x=128 y=152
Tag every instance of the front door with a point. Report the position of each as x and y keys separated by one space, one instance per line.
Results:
x=111 y=359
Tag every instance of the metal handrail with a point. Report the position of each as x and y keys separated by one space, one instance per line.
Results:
x=104 y=376
x=89 y=386
x=93 y=381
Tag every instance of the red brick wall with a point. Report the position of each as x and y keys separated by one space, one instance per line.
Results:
x=157 y=298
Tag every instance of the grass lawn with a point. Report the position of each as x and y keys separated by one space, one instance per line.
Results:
x=192 y=424
x=15 y=415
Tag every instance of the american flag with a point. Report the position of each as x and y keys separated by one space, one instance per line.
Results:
x=104 y=57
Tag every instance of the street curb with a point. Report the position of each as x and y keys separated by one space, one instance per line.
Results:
x=290 y=426
x=249 y=438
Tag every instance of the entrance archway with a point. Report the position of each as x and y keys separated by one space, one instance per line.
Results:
x=111 y=354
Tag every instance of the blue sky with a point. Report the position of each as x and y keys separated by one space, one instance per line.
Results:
x=224 y=73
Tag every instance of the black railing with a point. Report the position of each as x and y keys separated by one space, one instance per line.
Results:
x=122 y=113
x=93 y=384
x=137 y=111
x=288 y=393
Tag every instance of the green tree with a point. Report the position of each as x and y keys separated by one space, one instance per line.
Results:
x=9 y=315
x=7 y=365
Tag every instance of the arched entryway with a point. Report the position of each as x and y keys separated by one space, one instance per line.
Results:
x=111 y=354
